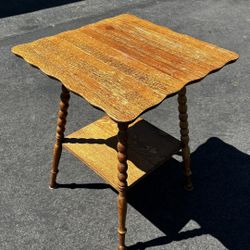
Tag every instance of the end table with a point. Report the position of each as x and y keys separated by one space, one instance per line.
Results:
x=124 y=66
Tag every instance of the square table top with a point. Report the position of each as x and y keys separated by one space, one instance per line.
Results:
x=124 y=65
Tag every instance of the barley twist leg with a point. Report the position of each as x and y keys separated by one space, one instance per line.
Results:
x=183 y=116
x=61 y=122
x=122 y=183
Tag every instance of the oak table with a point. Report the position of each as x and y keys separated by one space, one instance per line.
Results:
x=124 y=66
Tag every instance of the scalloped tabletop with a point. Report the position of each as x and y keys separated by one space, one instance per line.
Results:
x=124 y=65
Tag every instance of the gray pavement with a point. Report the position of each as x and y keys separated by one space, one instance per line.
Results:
x=160 y=214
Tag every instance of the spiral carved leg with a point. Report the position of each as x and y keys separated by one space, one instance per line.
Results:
x=183 y=116
x=61 y=122
x=122 y=183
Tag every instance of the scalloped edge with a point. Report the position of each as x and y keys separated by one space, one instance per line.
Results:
x=113 y=117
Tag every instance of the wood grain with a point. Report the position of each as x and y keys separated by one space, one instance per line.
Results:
x=131 y=62
x=148 y=148
x=122 y=155
x=61 y=123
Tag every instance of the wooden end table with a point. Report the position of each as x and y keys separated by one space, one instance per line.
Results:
x=124 y=66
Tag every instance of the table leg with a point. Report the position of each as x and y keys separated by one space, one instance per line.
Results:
x=183 y=116
x=61 y=122
x=122 y=183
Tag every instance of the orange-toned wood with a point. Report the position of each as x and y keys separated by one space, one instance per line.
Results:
x=95 y=145
x=122 y=146
x=131 y=62
x=61 y=122
x=183 y=116
x=123 y=65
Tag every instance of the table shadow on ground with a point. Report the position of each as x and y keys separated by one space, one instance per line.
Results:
x=219 y=203
x=14 y=7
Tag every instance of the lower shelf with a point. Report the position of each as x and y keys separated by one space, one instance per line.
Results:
x=95 y=145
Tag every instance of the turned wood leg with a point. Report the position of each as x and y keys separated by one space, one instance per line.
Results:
x=122 y=183
x=183 y=116
x=61 y=122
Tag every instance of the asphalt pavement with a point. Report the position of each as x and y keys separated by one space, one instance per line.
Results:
x=161 y=215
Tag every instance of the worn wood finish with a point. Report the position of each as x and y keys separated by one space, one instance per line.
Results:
x=183 y=116
x=61 y=122
x=122 y=167
x=131 y=62
x=148 y=148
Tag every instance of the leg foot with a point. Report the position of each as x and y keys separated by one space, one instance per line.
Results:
x=188 y=185
x=122 y=211
x=55 y=186
x=122 y=248
x=52 y=183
